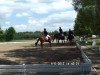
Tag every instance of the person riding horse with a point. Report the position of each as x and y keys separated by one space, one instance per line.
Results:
x=44 y=38
x=46 y=34
x=61 y=31
x=70 y=32
x=59 y=36
x=70 y=35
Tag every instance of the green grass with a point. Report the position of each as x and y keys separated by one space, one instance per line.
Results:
x=89 y=43
x=98 y=41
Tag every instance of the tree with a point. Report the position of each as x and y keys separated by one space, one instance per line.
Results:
x=84 y=22
x=88 y=18
x=24 y=35
x=1 y=31
x=1 y=35
x=54 y=32
x=37 y=34
x=77 y=4
x=9 y=34
x=97 y=17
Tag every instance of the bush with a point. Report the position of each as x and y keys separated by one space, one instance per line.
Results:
x=9 y=34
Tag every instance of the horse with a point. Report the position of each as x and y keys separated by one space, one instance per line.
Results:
x=59 y=36
x=43 y=39
x=70 y=38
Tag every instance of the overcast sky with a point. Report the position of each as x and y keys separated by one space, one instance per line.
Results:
x=35 y=15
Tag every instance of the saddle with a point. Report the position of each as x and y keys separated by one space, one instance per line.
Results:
x=61 y=35
x=47 y=37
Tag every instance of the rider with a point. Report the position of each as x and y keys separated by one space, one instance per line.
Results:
x=70 y=32
x=70 y=35
x=46 y=34
x=61 y=31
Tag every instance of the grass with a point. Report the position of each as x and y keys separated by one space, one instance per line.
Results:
x=89 y=44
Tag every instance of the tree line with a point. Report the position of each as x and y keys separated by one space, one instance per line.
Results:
x=88 y=17
x=10 y=34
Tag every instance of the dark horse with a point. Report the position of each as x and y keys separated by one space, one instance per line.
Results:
x=70 y=38
x=59 y=36
x=43 y=39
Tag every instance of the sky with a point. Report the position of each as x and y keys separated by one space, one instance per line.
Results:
x=35 y=15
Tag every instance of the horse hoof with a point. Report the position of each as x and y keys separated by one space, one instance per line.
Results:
x=35 y=44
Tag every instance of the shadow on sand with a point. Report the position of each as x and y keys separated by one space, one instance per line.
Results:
x=35 y=55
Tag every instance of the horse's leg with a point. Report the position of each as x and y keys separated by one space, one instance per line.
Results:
x=58 y=41
x=70 y=41
x=62 y=41
x=37 y=42
x=41 y=44
x=50 y=43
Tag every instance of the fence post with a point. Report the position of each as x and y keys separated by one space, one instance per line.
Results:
x=94 y=42
x=24 y=69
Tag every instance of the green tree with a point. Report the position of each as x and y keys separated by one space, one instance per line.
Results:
x=24 y=35
x=53 y=32
x=9 y=34
x=97 y=18
x=1 y=35
x=37 y=34
x=1 y=31
x=88 y=18
x=83 y=22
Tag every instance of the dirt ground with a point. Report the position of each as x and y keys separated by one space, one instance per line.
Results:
x=19 y=53
x=15 y=45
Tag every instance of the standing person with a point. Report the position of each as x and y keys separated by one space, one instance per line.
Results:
x=60 y=31
x=46 y=34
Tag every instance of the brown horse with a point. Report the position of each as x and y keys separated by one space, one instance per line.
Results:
x=43 y=39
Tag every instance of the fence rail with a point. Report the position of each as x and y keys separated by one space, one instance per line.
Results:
x=83 y=68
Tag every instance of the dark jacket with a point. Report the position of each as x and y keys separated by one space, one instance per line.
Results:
x=61 y=31
x=70 y=32
x=45 y=33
